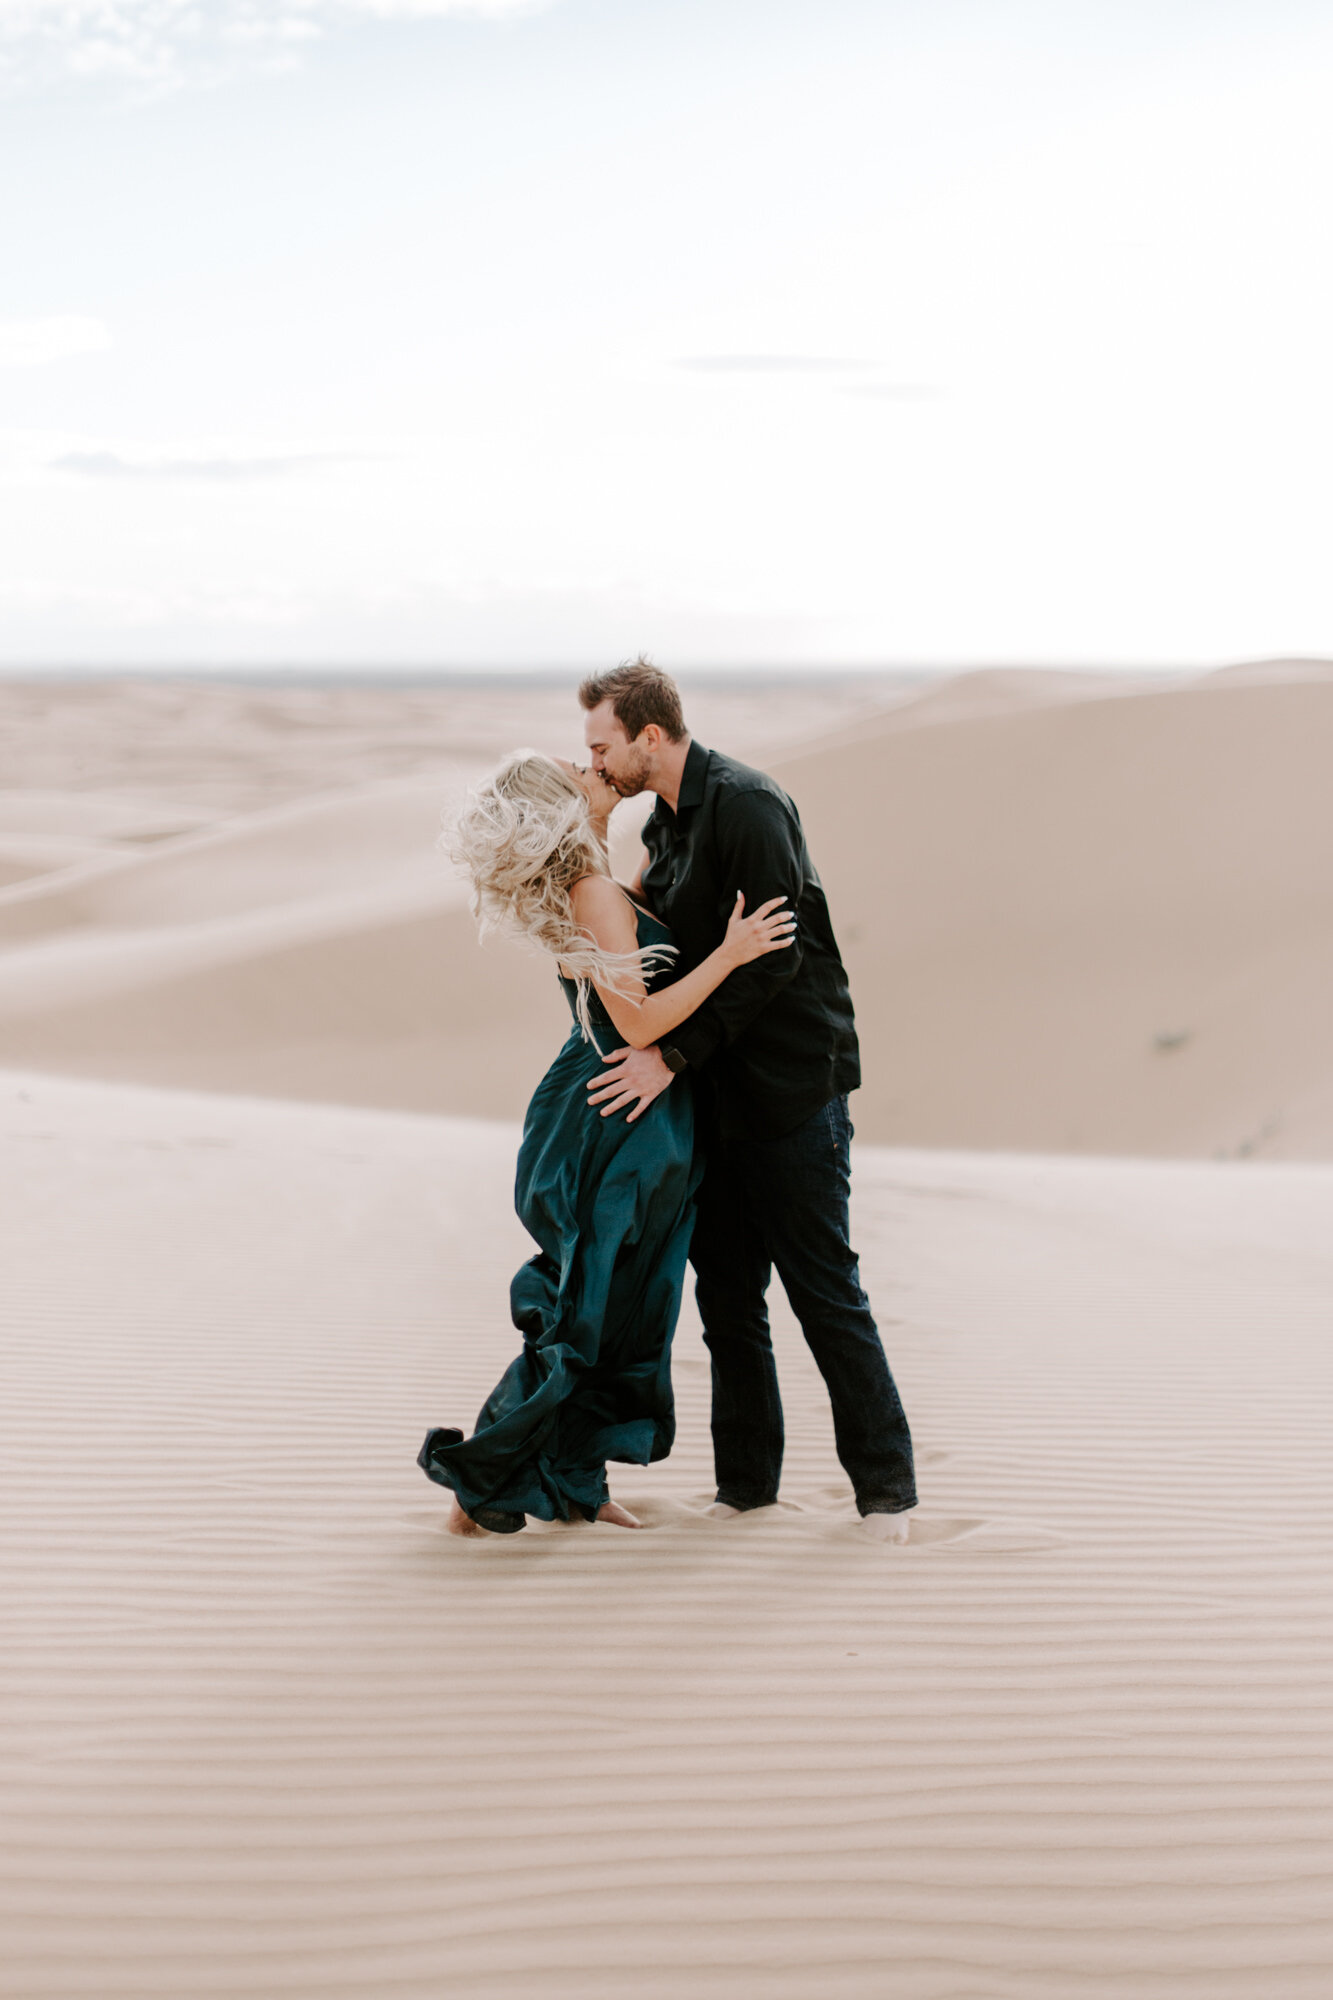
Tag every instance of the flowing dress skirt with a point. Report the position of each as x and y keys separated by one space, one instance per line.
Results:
x=611 y=1206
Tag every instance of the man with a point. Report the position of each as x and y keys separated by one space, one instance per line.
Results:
x=773 y=1054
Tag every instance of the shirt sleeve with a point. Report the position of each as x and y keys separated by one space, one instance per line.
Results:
x=760 y=852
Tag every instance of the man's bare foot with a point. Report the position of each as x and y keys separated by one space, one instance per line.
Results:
x=720 y=1511
x=885 y=1527
x=618 y=1516
x=460 y=1523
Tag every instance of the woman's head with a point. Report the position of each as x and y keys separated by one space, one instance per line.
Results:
x=525 y=836
x=601 y=794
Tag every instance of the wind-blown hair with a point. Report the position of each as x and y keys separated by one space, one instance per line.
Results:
x=524 y=837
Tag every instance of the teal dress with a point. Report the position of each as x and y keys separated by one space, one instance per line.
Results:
x=611 y=1206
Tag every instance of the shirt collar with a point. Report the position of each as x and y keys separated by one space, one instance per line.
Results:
x=693 y=777
x=693 y=783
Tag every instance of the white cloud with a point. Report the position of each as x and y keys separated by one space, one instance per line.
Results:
x=426 y=10
x=161 y=43
x=895 y=392
x=769 y=364
x=103 y=464
x=26 y=343
x=28 y=456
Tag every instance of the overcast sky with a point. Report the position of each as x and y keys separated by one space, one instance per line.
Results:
x=743 y=331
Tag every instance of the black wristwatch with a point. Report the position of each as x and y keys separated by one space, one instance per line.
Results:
x=673 y=1058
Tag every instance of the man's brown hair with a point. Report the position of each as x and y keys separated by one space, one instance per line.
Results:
x=639 y=693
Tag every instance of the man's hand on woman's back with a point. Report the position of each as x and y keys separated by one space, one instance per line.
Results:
x=631 y=1077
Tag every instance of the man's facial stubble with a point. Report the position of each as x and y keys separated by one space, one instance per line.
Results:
x=632 y=777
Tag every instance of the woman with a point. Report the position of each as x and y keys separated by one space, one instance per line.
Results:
x=610 y=1202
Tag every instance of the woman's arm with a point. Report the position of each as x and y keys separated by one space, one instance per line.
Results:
x=602 y=909
x=758 y=843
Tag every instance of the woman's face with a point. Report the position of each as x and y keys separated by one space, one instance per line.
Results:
x=602 y=797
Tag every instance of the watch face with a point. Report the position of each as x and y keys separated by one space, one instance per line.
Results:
x=674 y=1061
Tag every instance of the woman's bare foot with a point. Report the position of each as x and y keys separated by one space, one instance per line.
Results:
x=460 y=1523
x=722 y=1511
x=618 y=1516
x=885 y=1527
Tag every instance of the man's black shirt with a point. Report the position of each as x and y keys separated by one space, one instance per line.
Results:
x=777 y=1039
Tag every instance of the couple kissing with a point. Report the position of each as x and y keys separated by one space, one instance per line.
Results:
x=696 y=1113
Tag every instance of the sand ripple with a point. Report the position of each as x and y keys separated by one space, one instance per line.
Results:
x=268 y=1731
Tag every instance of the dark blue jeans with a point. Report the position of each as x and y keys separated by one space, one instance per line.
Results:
x=783 y=1202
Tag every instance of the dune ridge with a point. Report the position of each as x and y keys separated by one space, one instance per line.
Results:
x=1096 y=925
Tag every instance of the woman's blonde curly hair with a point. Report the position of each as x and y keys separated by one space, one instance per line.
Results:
x=524 y=837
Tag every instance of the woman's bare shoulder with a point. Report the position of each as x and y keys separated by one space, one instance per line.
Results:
x=596 y=891
x=598 y=900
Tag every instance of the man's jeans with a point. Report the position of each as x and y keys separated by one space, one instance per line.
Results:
x=783 y=1202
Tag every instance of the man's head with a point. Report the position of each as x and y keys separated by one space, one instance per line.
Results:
x=635 y=729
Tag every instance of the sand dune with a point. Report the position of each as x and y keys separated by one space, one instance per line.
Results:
x=1101 y=925
x=311 y=851
x=268 y=1731
x=278 y=920
x=24 y=856
x=118 y=815
x=216 y=747
x=1080 y=913
x=319 y=950
x=965 y=697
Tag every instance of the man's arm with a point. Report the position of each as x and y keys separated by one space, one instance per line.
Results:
x=760 y=847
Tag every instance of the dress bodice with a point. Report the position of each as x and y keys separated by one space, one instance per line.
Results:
x=649 y=930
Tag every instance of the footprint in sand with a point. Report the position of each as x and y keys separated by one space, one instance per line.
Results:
x=973 y=1536
x=971 y=1533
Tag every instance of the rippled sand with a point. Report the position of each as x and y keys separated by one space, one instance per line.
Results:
x=269 y=1731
